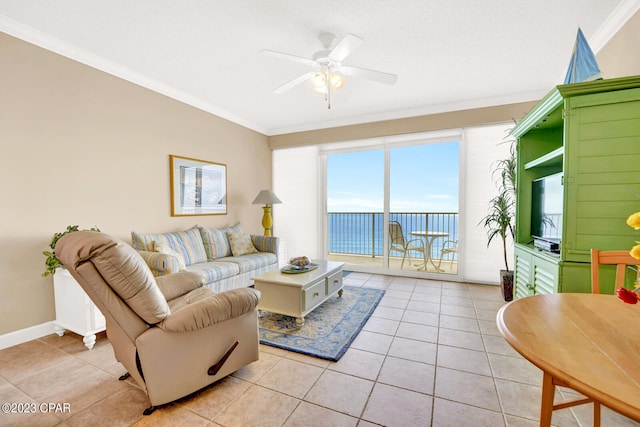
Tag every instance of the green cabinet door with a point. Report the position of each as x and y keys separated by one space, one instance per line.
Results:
x=522 y=273
x=535 y=272
x=602 y=172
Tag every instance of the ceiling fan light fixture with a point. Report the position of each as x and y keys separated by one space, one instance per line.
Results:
x=337 y=81
x=319 y=81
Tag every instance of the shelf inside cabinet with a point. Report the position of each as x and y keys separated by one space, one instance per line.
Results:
x=554 y=158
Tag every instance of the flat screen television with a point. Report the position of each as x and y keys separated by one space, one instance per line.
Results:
x=546 y=208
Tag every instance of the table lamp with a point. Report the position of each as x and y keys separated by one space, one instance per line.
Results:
x=266 y=198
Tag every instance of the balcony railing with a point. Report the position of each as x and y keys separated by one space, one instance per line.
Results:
x=361 y=233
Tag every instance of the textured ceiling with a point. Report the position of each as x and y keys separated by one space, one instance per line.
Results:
x=448 y=55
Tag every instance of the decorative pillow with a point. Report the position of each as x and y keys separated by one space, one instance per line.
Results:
x=164 y=248
x=216 y=243
x=241 y=244
x=188 y=243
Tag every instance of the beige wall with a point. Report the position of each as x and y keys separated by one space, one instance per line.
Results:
x=82 y=147
x=432 y=122
x=619 y=57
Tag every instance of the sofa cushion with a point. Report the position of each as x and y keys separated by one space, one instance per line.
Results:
x=215 y=241
x=188 y=243
x=240 y=244
x=164 y=248
x=215 y=270
x=252 y=262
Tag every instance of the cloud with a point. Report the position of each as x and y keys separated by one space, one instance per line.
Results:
x=439 y=196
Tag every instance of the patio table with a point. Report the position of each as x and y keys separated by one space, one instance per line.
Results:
x=429 y=237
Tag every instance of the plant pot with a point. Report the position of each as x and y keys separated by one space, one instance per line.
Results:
x=506 y=284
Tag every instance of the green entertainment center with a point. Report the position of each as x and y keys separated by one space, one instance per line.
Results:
x=581 y=143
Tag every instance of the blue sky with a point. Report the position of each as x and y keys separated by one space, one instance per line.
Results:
x=424 y=178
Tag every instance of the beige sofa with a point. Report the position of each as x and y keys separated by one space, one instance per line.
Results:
x=172 y=335
x=226 y=257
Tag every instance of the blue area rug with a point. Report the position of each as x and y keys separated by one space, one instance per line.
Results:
x=328 y=330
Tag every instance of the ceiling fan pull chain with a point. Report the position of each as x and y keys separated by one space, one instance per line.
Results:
x=328 y=83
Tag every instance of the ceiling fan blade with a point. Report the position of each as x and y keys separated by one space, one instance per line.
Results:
x=345 y=47
x=377 y=76
x=288 y=57
x=285 y=87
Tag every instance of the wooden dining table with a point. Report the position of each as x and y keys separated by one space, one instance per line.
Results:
x=588 y=342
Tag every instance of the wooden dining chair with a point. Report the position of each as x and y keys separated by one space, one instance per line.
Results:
x=621 y=259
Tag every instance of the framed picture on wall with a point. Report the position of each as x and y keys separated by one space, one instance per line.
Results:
x=198 y=187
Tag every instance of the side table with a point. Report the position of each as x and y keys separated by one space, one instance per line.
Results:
x=74 y=309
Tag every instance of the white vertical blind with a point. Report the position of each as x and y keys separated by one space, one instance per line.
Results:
x=298 y=219
x=483 y=147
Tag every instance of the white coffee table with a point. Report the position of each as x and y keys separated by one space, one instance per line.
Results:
x=299 y=294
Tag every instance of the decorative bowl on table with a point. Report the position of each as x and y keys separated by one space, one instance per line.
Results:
x=299 y=264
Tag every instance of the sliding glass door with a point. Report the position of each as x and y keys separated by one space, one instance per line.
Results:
x=395 y=208
x=355 y=206
x=423 y=207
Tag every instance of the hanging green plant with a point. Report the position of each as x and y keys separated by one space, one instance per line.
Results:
x=52 y=262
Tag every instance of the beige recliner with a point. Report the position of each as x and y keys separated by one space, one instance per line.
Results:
x=172 y=335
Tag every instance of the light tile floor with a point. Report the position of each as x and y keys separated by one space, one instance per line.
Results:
x=430 y=355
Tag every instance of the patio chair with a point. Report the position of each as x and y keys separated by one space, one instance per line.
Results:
x=398 y=243
x=449 y=247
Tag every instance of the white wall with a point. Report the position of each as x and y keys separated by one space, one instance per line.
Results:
x=297 y=180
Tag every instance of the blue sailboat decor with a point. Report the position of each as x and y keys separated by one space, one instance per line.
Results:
x=583 y=66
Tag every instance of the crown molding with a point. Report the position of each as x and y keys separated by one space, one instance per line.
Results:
x=414 y=112
x=614 y=22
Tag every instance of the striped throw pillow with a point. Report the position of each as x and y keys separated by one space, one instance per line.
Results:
x=187 y=243
x=215 y=240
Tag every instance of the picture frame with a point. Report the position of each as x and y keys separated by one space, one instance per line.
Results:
x=198 y=187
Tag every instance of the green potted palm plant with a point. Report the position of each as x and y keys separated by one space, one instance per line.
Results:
x=500 y=218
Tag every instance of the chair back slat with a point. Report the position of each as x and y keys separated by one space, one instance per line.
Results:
x=620 y=258
x=395 y=233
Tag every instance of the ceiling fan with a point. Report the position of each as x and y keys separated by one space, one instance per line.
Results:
x=327 y=69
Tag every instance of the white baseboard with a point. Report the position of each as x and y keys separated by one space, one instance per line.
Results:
x=27 y=334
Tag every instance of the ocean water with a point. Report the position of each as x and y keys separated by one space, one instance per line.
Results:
x=362 y=233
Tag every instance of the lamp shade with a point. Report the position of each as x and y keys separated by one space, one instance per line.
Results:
x=266 y=197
